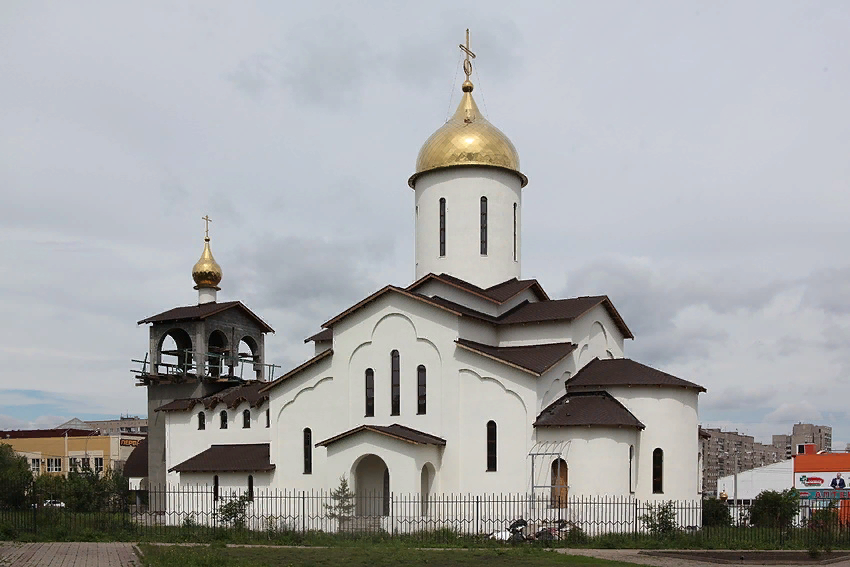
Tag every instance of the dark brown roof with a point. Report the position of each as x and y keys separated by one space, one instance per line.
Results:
x=231 y=397
x=525 y=312
x=40 y=433
x=395 y=431
x=535 y=359
x=625 y=372
x=562 y=309
x=202 y=311
x=321 y=356
x=498 y=293
x=323 y=335
x=228 y=458
x=587 y=408
x=380 y=293
x=136 y=465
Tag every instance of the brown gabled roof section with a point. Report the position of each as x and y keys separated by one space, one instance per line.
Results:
x=203 y=311
x=577 y=409
x=524 y=313
x=625 y=372
x=230 y=397
x=562 y=309
x=319 y=357
x=534 y=359
x=323 y=335
x=499 y=293
x=395 y=431
x=380 y=293
x=228 y=458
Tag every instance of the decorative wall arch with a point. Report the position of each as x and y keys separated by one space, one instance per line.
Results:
x=302 y=391
x=499 y=383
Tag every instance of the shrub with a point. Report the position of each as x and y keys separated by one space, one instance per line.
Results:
x=773 y=509
x=234 y=511
x=715 y=513
x=660 y=519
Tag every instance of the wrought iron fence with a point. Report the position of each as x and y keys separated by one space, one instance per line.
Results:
x=202 y=513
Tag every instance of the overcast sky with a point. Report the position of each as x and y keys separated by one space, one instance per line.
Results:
x=689 y=159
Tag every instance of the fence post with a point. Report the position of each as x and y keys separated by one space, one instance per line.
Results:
x=635 y=520
x=34 y=510
x=303 y=518
x=477 y=515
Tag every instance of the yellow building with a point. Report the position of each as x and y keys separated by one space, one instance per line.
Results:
x=57 y=451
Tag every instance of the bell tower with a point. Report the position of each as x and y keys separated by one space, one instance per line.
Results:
x=198 y=350
x=468 y=194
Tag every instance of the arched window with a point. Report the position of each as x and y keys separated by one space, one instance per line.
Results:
x=268 y=417
x=223 y=417
x=246 y=419
x=491 y=445
x=442 y=227
x=202 y=421
x=484 y=225
x=658 y=471
x=395 y=383
x=420 y=389
x=308 y=451
x=514 y=232
x=215 y=487
x=370 y=392
x=251 y=487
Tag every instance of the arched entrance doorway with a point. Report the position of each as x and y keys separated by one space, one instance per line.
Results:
x=372 y=487
x=559 y=483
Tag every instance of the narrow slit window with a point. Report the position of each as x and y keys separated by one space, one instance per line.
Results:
x=251 y=487
x=246 y=419
x=370 y=392
x=484 y=225
x=223 y=418
x=202 y=421
x=491 y=445
x=514 y=232
x=442 y=227
x=658 y=471
x=268 y=417
x=308 y=451
x=420 y=390
x=395 y=383
x=215 y=487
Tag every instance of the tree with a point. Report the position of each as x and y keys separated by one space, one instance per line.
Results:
x=773 y=509
x=15 y=478
x=715 y=513
x=341 y=508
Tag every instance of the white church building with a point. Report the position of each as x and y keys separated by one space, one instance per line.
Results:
x=468 y=380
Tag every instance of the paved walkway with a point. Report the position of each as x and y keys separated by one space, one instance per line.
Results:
x=68 y=555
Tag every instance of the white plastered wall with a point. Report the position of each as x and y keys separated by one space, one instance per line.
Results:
x=463 y=187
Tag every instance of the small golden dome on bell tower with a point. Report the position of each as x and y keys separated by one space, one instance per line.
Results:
x=206 y=272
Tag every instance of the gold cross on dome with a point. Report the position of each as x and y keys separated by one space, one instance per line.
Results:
x=207 y=220
x=467 y=64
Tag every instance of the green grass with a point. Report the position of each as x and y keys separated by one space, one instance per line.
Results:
x=362 y=556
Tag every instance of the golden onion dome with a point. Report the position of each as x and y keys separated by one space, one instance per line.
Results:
x=206 y=272
x=467 y=139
